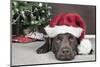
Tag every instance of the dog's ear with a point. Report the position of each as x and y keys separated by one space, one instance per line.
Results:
x=46 y=47
x=48 y=43
x=78 y=41
x=53 y=47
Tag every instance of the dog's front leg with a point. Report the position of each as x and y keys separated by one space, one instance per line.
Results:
x=46 y=47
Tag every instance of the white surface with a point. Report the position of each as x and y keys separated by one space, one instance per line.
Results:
x=5 y=33
x=90 y=36
x=23 y=54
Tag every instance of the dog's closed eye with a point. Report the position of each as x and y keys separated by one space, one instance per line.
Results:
x=59 y=37
x=71 y=38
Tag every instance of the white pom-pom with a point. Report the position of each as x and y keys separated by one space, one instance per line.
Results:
x=85 y=46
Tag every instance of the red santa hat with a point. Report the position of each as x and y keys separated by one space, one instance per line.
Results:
x=68 y=23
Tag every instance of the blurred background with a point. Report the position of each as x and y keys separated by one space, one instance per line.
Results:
x=87 y=12
x=37 y=15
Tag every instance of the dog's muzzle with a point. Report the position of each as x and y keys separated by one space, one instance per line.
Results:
x=65 y=54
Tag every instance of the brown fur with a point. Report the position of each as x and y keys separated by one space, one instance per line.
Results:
x=64 y=46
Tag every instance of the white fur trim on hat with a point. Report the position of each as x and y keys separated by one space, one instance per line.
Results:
x=85 y=46
x=54 y=31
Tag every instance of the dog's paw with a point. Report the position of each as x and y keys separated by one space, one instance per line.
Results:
x=41 y=50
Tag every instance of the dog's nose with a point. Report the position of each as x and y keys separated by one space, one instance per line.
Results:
x=66 y=51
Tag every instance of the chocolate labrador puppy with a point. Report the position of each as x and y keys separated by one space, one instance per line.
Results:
x=64 y=46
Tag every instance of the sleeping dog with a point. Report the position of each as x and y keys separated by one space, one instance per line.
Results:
x=66 y=32
x=64 y=46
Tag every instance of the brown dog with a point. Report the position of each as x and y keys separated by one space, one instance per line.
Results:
x=66 y=32
x=64 y=46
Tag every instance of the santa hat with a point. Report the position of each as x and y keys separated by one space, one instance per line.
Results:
x=68 y=23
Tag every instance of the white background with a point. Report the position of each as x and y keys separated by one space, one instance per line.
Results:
x=5 y=33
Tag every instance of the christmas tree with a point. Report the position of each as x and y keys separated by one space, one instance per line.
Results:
x=29 y=14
